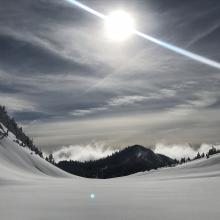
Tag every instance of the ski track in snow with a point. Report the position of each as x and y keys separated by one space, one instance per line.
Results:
x=31 y=188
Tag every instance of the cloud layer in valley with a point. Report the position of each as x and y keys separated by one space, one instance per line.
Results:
x=183 y=150
x=88 y=152
x=97 y=150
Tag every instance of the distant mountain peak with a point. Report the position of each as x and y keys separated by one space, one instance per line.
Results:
x=130 y=160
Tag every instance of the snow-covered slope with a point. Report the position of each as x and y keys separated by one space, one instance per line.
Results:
x=31 y=188
x=195 y=169
x=19 y=163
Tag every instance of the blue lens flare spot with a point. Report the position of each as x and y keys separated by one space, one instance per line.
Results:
x=92 y=196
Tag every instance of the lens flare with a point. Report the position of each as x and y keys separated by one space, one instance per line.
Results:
x=92 y=196
x=179 y=50
x=88 y=9
x=169 y=46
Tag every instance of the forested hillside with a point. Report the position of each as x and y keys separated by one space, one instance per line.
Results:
x=14 y=128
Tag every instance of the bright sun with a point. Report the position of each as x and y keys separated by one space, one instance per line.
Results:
x=119 y=26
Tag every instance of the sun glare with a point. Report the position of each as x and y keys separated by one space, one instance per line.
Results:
x=119 y=26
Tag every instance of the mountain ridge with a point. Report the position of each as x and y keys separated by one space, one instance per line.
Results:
x=128 y=161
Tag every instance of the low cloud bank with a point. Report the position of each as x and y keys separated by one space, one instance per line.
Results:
x=99 y=150
x=88 y=152
x=184 y=150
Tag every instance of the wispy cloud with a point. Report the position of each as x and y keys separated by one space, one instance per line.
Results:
x=14 y=104
x=203 y=34
x=114 y=102
x=125 y=101
x=197 y=102
x=83 y=112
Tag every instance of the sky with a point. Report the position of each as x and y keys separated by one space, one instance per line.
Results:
x=68 y=85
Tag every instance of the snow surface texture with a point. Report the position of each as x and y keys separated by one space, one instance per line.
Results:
x=31 y=188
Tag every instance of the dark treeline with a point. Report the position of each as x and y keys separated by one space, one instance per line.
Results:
x=21 y=137
x=122 y=163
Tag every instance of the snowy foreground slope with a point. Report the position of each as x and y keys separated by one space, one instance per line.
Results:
x=31 y=188
x=18 y=163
